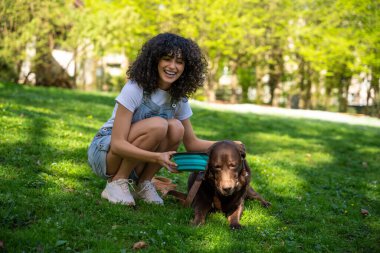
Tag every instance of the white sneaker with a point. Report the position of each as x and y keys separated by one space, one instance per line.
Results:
x=118 y=192
x=148 y=193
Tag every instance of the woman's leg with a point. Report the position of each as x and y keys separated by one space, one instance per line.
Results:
x=170 y=142
x=146 y=134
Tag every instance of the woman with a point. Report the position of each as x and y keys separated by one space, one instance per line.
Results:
x=150 y=119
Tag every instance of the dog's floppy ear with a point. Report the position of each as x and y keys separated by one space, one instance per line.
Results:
x=241 y=147
x=211 y=148
x=208 y=173
x=246 y=169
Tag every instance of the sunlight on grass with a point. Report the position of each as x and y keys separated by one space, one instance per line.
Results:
x=258 y=217
x=216 y=238
x=206 y=133
x=284 y=141
x=69 y=175
x=283 y=182
x=39 y=110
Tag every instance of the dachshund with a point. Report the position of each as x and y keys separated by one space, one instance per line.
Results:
x=225 y=185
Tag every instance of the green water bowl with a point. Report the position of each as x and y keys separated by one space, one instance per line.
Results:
x=188 y=161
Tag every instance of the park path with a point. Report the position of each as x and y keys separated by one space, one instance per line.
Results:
x=295 y=113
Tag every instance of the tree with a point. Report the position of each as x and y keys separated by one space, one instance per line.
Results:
x=14 y=16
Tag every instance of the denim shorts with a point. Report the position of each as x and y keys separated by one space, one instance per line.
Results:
x=97 y=154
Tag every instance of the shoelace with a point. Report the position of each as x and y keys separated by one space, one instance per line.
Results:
x=147 y=186
x=125 y=183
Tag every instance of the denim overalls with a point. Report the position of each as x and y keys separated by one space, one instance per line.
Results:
x=100 y=145
x=149 y=109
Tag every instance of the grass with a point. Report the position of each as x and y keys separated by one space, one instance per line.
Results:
x=317 y=175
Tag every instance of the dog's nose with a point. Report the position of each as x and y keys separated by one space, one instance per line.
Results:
x=227 y=189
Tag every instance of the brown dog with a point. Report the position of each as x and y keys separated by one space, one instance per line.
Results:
x=225 y=185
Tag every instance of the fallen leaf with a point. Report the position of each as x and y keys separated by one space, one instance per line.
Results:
x=364 y=212
x=60 y=243
x=139 y=245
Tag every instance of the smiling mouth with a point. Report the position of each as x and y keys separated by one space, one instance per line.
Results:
x=170 y=73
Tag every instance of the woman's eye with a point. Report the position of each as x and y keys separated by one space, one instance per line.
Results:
x=166 y=58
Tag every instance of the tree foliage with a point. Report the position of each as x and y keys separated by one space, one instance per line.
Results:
x=305 y=51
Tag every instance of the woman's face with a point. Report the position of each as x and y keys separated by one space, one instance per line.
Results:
x=170 y=68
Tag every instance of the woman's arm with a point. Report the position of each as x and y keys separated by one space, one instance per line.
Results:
x=191 y=142
x=194 y=144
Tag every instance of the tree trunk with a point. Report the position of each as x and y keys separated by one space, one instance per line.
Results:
x=301 y=102
x=276 y=70
x=211 y=80
x=307 y=99
x=375 y=86
x=234 y=84
x=343 y=92
x=274 y=81
x=47 y=69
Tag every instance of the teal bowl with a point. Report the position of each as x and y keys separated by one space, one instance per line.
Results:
x=187 y=161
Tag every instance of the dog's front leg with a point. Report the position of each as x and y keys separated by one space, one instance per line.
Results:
x=200 y=212
x=234 y=218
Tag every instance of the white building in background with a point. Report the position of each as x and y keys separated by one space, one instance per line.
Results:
x=115 y=64
x=66 y=60
x=26 y=76
x=86 y=69
x=226 y=78
x=358 y=90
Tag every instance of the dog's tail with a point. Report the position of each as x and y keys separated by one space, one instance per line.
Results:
x=252 y=194
x=178 y=195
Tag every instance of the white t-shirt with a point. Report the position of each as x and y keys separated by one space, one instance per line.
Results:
x=131 y=97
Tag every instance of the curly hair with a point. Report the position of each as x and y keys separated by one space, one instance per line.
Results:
x=145 y=72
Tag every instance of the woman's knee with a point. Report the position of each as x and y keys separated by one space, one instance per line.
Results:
x=157 y=127
x=175 y=130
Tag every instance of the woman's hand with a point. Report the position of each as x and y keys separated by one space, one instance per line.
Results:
x=164 y=159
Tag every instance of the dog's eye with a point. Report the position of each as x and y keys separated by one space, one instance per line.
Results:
x=217 y=168
x=232 y=165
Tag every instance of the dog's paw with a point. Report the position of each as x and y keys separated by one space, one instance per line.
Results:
x=197 y=222
x=235 y=226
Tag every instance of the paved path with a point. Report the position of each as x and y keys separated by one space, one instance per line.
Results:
x=296 y=113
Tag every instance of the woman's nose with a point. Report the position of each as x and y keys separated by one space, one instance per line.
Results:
x=172 y=63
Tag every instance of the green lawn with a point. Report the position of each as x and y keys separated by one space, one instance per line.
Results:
x=317 y=175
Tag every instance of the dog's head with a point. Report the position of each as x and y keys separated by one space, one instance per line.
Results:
x=226 y=167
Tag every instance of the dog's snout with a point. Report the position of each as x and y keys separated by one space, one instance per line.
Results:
x=227 y=189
